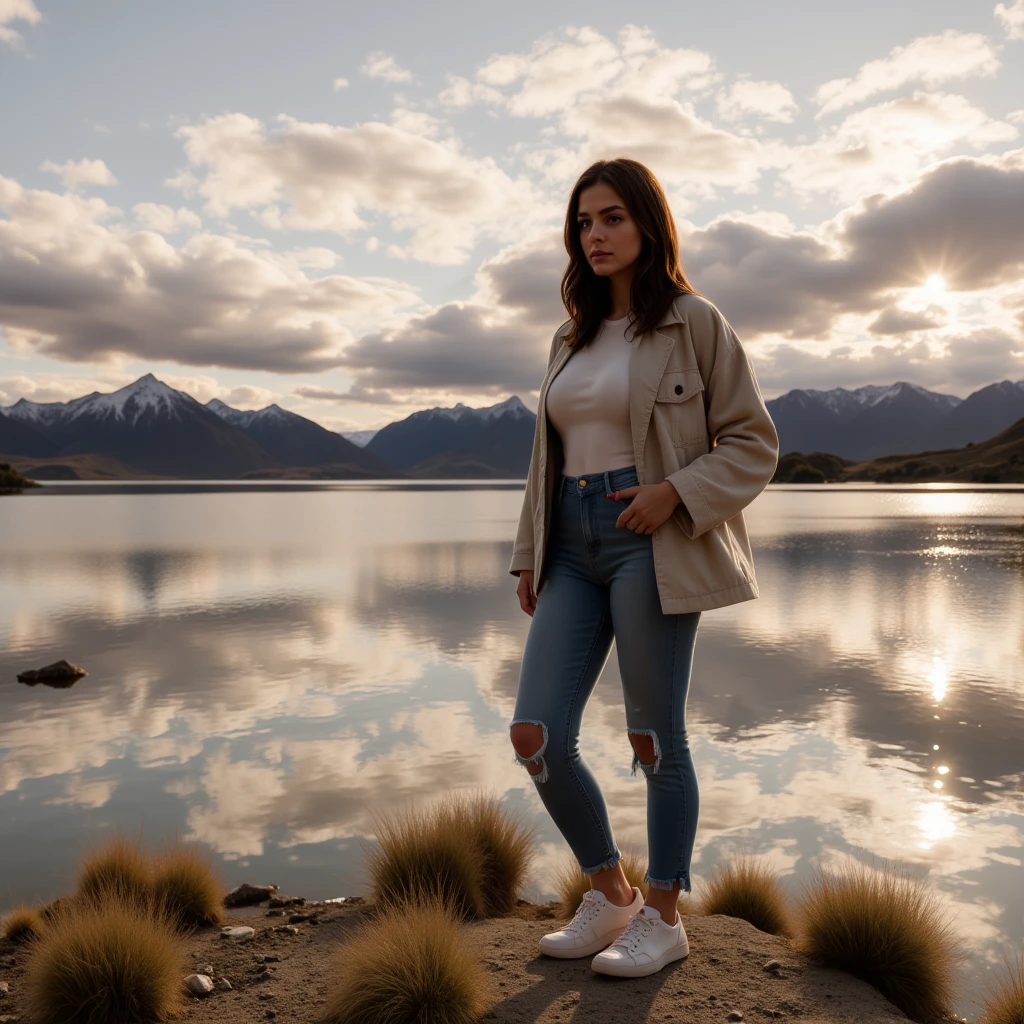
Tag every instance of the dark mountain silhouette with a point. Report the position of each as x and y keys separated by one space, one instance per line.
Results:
x=500 y=438
x=149 y=428
x=294 y=440
x=18 y=438
x=884 y=420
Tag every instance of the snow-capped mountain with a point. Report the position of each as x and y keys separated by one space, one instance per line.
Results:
x=296 y=441
x=891 y=419
x=497 y=439
x=148 y=427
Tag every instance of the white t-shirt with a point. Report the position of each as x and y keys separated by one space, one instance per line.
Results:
x=588 y=403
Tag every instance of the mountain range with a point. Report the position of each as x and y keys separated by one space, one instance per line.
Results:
x=150 y=429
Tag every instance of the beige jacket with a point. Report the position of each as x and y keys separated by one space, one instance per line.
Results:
x=699 y=421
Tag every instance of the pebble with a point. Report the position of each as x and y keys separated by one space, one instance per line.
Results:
x=239 y=934
x=287 y=929
x=271 y=958
x=286 y=901
x=5 y=989
x=271 y=1014
x=773 y=966
x=275 y=913
x=222 y=985
x=246 y=895
x=299 y=918
x=265 y=995
x=199 y=984
x=205 y=969
x=735 y=1015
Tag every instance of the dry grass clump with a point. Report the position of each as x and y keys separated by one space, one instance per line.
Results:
x=23 y=924
x=505 y=847
x=116 y=962
x=466 y=852
x=406 y=969
x=118 y=870
x=750 y=890
x=885 y=927
x=185 y=886
x=571 y=883
x=1005 y=1005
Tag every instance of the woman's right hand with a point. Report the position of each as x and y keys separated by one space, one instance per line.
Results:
x=525 y=592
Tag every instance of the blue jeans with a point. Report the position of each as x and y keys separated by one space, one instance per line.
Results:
x=598 y=583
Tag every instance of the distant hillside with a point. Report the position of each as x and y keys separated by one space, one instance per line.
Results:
x=294 y=440
x=1000 y=459
x=75 y=467
x=499 y=438
x=880 y=420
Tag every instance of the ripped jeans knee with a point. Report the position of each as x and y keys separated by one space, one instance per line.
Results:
x=649 y=767
x=537 y=757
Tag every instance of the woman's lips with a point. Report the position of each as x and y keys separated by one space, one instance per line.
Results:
x=600 y=255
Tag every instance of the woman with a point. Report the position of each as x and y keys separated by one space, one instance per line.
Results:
x=651 y=438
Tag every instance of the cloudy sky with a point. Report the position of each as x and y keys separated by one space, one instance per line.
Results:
x=355 y=210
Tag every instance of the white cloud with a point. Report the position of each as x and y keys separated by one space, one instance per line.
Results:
x=1011 y=18
x=384 y=66
x=16 y=10
x=165 y=219
x=771 y=101
x=929 y=60
x=324 y=177
x=340 y=83
x=82 y=172
x=80 y=286
x=886 y=147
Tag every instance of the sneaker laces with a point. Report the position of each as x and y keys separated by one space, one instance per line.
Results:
x=585 y=912
x=635 y=932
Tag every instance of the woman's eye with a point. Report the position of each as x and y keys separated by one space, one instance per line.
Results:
x=613 y=217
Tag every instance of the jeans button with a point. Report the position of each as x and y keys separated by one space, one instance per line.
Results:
x=583 y=483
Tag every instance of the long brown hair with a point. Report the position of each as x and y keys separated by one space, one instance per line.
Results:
x=658 y=275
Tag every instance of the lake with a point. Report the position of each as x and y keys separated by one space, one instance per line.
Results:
x=270 y=665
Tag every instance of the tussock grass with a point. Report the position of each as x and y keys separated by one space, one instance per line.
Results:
x=467 y=852
x=885 y=927
x=1005 y=1004
x=118 y=870
x=751 y=890
x=23 y=924
x=117 y=963
x=505 y=848
x=186 y=888
x=408 y=968
x=571 y=883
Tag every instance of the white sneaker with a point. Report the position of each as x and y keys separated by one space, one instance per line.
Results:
x=646 y=945
x=595 y=923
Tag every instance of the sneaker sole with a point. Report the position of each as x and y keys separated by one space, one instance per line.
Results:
x=589 y=950
x=680 y=952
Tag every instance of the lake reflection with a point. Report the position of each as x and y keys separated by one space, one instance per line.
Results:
x=268 y=668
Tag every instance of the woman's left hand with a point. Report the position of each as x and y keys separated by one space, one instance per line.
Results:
x=652 y=504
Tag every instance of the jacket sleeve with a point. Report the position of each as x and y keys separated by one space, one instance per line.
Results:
x=718 y=485
x=523 y=549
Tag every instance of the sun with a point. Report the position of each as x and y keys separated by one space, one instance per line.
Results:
x=935 y=286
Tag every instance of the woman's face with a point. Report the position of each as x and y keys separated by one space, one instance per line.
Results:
x=610 y=238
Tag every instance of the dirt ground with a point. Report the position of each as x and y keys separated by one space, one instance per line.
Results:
x=723 y=974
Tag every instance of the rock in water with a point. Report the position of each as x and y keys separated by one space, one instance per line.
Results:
x=199 y=984
x=246 y=895
x=60 y=673
x=240 y=934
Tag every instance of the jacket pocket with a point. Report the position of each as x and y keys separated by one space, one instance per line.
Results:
x=680 y=400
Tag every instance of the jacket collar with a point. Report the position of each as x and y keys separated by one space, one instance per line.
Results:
x=671 y=316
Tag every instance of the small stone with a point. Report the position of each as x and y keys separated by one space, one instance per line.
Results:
x=287 y=929
x=245 y=895
x=205 y=969
x=265 y=995
x=714 y=960
x=241 y=933
x=773 y=966
x=271 y=1014
x=735 y=1015
x=199 y=984
x=222 y=985
x=271 y=958
x=262 y=969
x=299 y=918
x=287 y=901
x=5 y=989
x=275 y=913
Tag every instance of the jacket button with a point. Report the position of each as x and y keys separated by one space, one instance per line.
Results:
x=679 y=389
